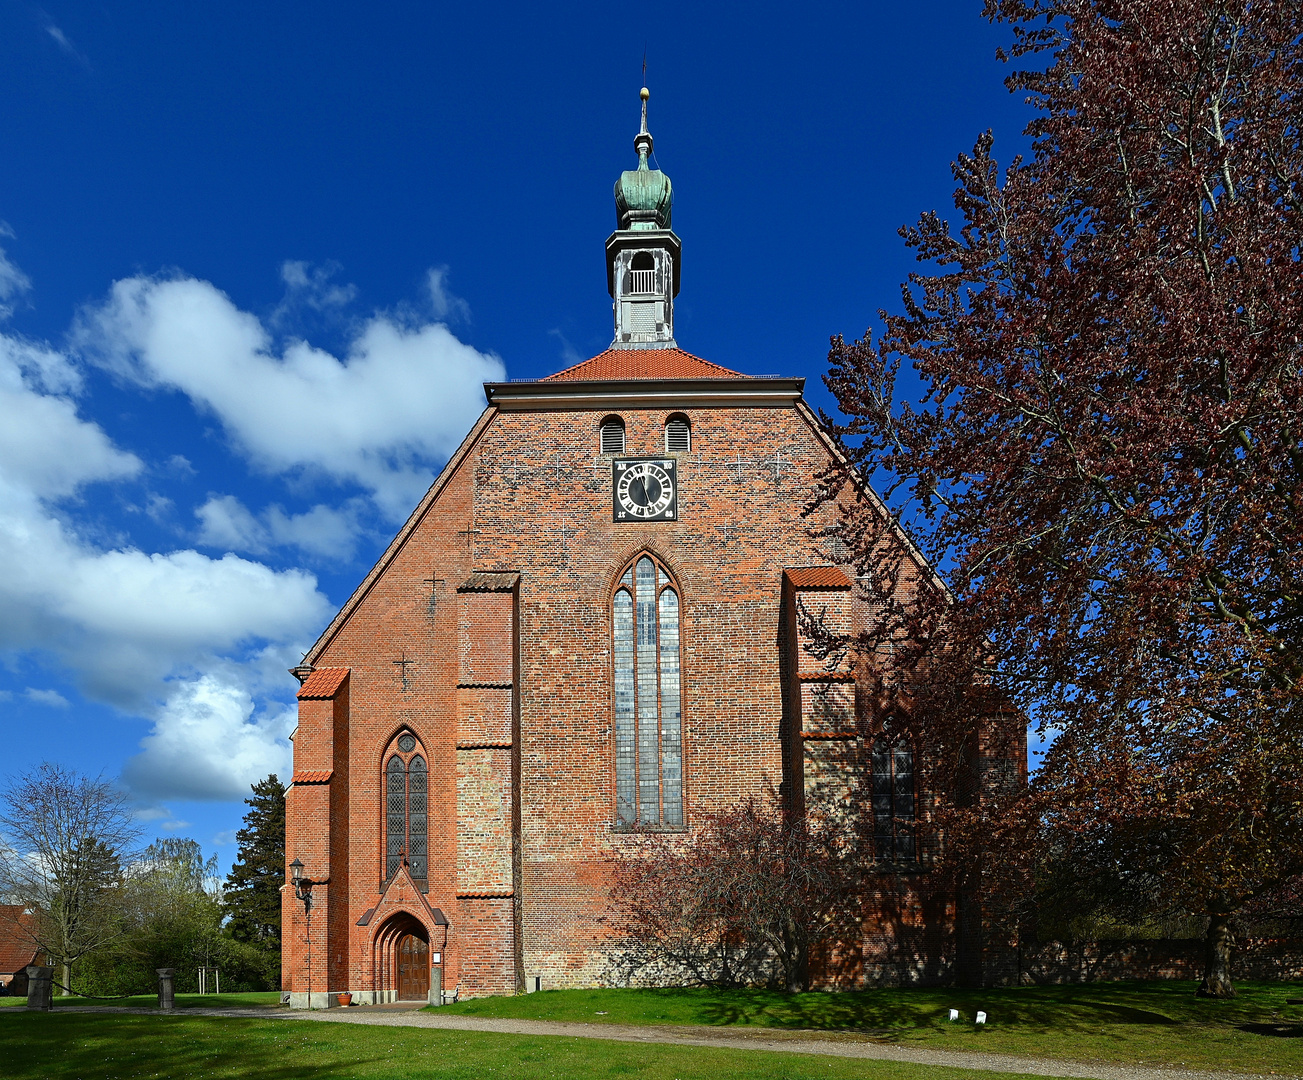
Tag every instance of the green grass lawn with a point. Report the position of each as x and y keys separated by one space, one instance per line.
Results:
x=270 y=998
x=102 y=1046
x=1155 y=1023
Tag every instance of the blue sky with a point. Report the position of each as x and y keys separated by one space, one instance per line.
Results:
x=257 y=260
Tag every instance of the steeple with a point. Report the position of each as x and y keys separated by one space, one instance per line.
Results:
x=642 y=255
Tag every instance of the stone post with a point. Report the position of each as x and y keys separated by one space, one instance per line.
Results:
x=436 y=985
x=40 y=987
x=166 y=991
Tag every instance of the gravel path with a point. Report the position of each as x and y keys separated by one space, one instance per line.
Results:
x=846 y=1045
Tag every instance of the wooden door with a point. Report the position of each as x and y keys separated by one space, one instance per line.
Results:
x=413 y=968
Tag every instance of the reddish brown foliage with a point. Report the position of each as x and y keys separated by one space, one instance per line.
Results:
x=1109 y=451
x=742 y=902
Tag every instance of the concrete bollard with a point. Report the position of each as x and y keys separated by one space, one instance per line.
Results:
x=436 y=986
x=40 y=987
x=166 y=989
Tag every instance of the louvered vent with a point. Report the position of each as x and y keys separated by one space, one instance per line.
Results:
x=612 y=436
x=678 y=436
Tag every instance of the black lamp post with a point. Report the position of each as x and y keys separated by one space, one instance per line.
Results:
x=303 y=891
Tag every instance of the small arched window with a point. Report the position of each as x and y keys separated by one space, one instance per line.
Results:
x=893 y=799
x=678 y=435
x=641 y=279
x=407 y=801
x=611 y=435
x=648 y=698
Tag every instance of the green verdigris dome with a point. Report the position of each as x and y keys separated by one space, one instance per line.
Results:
x=644 y=197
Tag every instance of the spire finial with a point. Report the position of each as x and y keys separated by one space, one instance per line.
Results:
x=642 y=142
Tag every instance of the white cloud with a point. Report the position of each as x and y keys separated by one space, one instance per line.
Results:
x=380 y=417
x=123 y=621
x=13 y=282
x=52 y=698
x=447 y=307
x=177 y=636
x=225 y=838
x=323 y=532
x=45 y=448
x=310 y=286
x=569 y=354
x=208 y=743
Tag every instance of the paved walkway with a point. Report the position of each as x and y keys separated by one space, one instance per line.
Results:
x=838 y=1044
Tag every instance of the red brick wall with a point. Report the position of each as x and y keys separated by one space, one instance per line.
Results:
x=532 y=496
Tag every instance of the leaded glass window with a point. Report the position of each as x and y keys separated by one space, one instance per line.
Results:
x=407 y=812
x=648 y=698
x=395 y=814
x=893 y=800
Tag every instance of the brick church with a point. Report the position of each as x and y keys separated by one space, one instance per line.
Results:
x=586 y=629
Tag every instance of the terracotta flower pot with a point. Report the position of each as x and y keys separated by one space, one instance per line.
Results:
x=345 y=999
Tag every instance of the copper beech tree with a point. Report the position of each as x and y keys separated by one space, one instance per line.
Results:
x=745 y=900
x=1106 y=459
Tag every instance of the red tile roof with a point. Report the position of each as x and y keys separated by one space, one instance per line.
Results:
x=323 y=683
x=311 y=776
x=643 y=364
x=16 y=948
x=818 y=577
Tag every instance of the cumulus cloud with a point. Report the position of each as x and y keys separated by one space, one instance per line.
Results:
x=152 y=633
x=324 y=532
x=208 y=742
x=46 y=449
x=380 y=417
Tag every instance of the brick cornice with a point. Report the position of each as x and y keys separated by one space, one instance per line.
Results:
x=741 y=392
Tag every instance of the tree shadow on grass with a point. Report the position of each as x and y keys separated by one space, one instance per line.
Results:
x=1279 y=1031
x=890 y=1013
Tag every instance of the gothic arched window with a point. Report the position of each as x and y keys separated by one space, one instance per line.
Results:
x=648 y=698
x=893 y=799
x=407 y=800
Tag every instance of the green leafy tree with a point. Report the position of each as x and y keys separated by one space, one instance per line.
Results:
x=252 y=895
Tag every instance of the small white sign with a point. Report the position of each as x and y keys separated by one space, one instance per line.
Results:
x=981 y=1018
x=436 y=957
x=954 y=1015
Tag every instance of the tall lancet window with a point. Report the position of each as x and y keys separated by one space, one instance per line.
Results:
x=648 y=698
x=407 y=800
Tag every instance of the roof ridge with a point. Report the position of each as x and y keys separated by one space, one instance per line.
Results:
x=671 y=359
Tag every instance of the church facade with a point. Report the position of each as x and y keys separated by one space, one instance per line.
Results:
x=588 y=628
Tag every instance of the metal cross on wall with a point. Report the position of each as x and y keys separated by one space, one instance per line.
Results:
x=403 y=665
x=434 y=583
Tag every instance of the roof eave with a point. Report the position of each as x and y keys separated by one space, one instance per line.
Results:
x=676 y=393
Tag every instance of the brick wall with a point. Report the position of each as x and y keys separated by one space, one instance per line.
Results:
x=507 y=685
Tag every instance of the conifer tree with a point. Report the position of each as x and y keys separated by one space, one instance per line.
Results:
x=252 y=895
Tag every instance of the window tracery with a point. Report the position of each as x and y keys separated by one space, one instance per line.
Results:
x=648 y=697
x=892 y=758
x=407 y=799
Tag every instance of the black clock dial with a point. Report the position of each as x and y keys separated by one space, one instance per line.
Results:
x=643 y=489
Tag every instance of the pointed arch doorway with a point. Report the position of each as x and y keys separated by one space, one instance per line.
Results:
x=413 y=967
x=402 y=957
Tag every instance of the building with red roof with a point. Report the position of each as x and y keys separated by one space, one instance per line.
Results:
x=592 y=625
x=18 y=947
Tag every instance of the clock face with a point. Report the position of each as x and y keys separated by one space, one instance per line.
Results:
x=644 y=489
